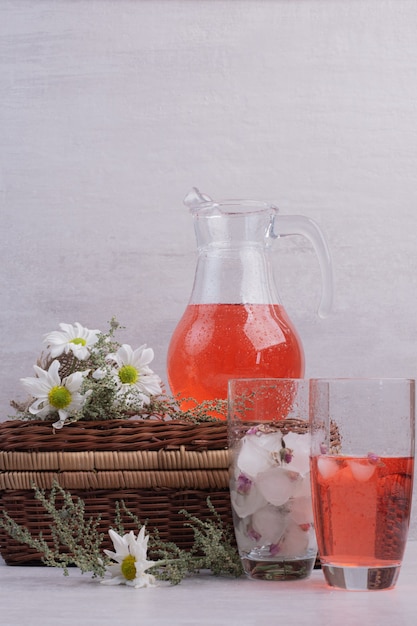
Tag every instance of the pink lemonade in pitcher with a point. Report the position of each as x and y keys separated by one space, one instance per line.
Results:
x=215 y=342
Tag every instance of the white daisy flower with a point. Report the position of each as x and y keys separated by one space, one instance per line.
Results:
x=131 y=560
x=71 y=338
x=132 y=374
x=53 y=394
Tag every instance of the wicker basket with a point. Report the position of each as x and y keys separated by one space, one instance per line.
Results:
x=157 y=468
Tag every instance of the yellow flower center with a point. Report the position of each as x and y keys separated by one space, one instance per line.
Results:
x=59 y=397
x=79 y=341
x=128 y=567
x=128 y=374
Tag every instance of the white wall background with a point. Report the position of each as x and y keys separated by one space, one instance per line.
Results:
x=111 y=110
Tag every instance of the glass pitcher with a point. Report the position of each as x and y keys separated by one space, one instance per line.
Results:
x=235 y=325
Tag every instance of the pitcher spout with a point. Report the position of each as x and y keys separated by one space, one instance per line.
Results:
x=196 y=200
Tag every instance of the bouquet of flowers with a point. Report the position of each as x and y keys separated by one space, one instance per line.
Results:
x=86 y=374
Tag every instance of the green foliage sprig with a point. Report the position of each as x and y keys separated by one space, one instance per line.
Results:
x=213 y=548
x=77 y=540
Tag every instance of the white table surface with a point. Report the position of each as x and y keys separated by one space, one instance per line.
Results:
x=41 y=596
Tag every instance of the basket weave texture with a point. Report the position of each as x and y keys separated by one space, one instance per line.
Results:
x=156 y=468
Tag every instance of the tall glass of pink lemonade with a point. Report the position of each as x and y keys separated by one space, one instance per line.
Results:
x=362 y=467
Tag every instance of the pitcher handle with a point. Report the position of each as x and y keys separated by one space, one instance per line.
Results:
x=301 y=225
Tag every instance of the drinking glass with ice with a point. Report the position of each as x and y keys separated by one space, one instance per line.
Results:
x=270 y=488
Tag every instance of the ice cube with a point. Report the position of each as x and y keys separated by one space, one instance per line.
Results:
x=327 y=467
x=244 y=541
x=362 y=470
x=277 y=484
x=253 y=458
x=245 y=504
x=301 y=510
x=269 y=522
x=270 y=442
x=303 y=487
x=300 y=445
x=295 y=541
